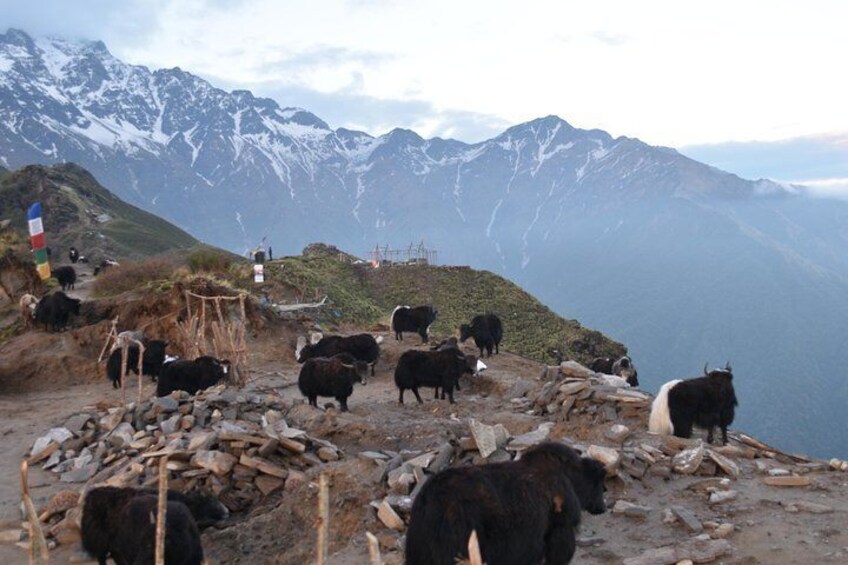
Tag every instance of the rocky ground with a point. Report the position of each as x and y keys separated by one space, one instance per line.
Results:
x=669 y=499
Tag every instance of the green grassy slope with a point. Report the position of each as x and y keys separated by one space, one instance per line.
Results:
x=362 y=296
x=79 y=212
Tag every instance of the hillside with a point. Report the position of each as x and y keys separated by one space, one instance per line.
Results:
x=79 y=212
x=362 y=296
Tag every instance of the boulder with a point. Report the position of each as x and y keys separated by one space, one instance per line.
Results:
x=488 y=438
x=523 y=441
x=687 y=461
x=575 y=370
x=218 y=462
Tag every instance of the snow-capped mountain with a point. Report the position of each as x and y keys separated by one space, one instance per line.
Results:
x=231 y=167
x=681 y=261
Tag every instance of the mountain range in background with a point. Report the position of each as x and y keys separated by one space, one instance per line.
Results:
x=681 y=261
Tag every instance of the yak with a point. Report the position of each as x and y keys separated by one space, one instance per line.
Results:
x=417 y=319
x=67 y=276
x=332 y=377
x=523 y=511
x=622 y=367
x=151 y=361
x=191 y=376
x=120 y=522
x=438 y=369
x=54 y=310
x=706 y=401
x=363 y=347
x=486 y=330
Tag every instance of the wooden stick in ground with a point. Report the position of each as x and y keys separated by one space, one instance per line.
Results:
x=38 y=552
x=374 y=557
x=113 y=333
x=161 y=511
x=323 y=519
x=474 y=556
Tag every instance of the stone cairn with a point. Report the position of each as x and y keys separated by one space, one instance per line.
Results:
x=233 y=444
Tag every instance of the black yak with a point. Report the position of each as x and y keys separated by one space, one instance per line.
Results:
x=487 y=332
x=706 y=401
x=120 y=522
x=333 y=377
x=54 y=310
x=433 y=369
x=524 y=511
x=66 y=276
x=151 y=362
x=191 y=376
x=363 y=347
x=417 y=319
x=73 y=254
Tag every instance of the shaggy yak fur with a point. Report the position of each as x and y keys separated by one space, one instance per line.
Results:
x=121 y=523
x=151 y=361
x=487 y=332
x=54 y=310
x=363 y=347
x=332 y=377
x=417 y=319
x=191 y=376
x=705 y=402
x=523 y=511
x=438 y=369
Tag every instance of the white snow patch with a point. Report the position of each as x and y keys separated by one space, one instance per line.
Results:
x=492 y=218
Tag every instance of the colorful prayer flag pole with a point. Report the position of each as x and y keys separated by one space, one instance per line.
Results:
x=39 y=243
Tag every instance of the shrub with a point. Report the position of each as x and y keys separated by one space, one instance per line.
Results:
x=208 y=260
x=129 y=276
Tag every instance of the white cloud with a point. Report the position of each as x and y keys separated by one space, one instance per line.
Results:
x=671 y=73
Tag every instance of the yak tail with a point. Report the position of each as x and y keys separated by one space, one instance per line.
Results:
x=392 y=319
x=660 y=420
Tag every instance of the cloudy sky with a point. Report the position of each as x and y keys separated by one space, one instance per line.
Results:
x=708 y=77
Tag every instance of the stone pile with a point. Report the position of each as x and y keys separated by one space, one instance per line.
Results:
x=233 y=444
x=571 y=389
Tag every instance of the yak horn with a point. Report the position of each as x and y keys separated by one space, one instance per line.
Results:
x=727 y=367
x=705 y=367
x=348 y=366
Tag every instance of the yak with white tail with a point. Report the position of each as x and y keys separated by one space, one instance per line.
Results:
x=417 y=319
x=705 y=402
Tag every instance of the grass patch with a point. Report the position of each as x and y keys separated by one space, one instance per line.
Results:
x=131 y=276
x=208 y=260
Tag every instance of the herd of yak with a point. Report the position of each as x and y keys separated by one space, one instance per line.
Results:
x=523 y=511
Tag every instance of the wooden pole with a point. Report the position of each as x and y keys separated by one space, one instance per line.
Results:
x=38 y=552
x=323 y=519
x=374 y=557
x=162 y=509
x=474 y=556
x=113 y=333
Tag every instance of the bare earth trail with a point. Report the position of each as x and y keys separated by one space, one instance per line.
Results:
x=768 y=529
